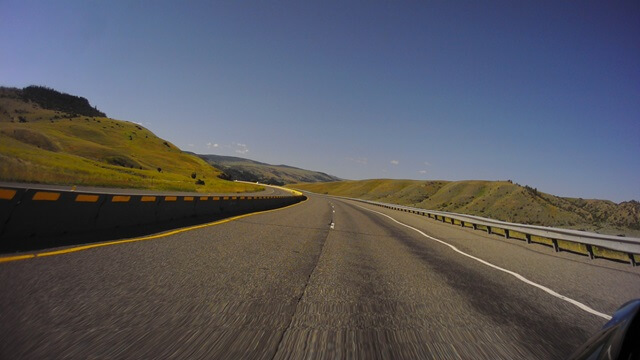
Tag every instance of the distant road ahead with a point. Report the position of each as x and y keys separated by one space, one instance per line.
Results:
x=308 y=282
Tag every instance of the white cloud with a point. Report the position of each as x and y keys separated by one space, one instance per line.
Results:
x=240 y=148
x=427 y=163
x=422 y=171
x=191 y=145
x=395 y=162
x=362 y=161
x=212 y=145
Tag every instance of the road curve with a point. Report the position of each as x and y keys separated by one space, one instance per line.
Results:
x=325 y=278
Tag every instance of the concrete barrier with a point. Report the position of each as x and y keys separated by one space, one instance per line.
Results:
x=118 y=211
x=40 y=218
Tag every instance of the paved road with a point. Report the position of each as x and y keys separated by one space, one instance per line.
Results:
x=284 y=284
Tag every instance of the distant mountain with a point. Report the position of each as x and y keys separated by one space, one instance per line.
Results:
x=236 y=168
x=501 y=200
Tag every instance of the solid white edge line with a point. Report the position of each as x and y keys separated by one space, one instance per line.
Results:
x=515 y=274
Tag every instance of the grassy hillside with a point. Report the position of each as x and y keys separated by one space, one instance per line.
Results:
x=500 y=200
x=248 y=170
x=50 y=146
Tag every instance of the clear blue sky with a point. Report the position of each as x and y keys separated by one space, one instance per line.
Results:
x=546 y=93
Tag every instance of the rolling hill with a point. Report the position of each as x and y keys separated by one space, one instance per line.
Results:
x=54 y=138
x=236 y=168
x=500 y=200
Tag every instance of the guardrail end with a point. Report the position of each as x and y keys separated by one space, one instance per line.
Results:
x=555 y=245
x=632 y=260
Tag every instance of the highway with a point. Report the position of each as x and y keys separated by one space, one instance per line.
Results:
x=326 y=278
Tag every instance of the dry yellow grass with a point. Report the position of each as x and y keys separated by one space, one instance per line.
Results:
x=50 y=147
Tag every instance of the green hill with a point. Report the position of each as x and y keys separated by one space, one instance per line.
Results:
x=49 y=137
x=500 y=200
x=236 y=168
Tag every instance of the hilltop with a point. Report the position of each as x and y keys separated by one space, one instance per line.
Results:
x=236 y=168
x=55 y=138
x=48 y=98
x=501 y=200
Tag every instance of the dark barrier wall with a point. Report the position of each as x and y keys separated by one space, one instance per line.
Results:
x=28 y=216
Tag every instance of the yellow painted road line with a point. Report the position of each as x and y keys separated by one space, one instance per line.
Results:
x=188 y=198
x=144 y=238
x=204 y=198
x=16 y=258
x=46 y=196
x=120 y=198
x=148 y=198
x=170 y=198
x=7 y=194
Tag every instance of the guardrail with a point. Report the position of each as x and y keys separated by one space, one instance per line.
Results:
x=30 y=217
x=581 y=242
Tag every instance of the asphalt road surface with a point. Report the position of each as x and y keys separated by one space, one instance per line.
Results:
x=322 y=279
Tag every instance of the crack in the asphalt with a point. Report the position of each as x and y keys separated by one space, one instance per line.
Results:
x=302 y=293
